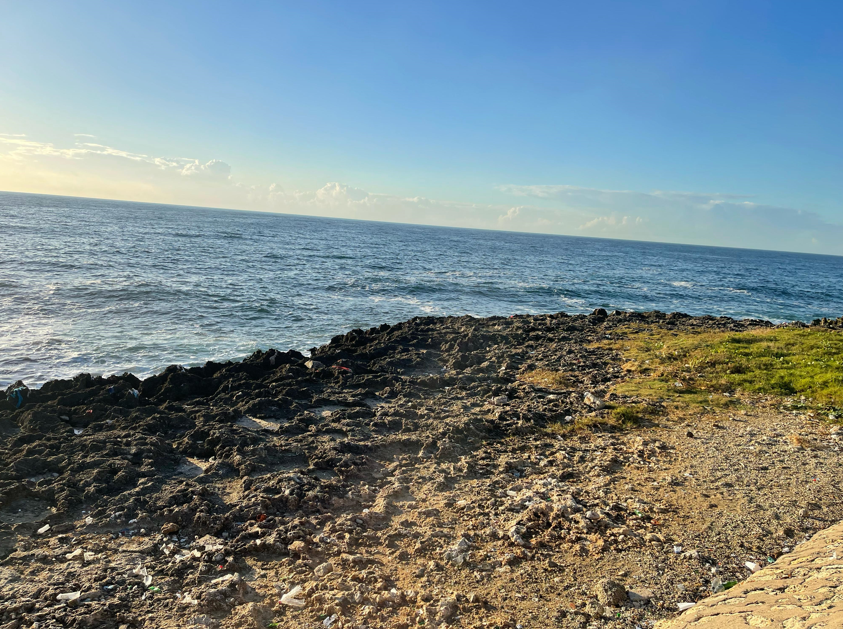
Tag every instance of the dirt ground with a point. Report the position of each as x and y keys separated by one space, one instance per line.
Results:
x=402 y=476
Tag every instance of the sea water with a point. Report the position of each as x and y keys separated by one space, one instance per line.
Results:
x=107 y=286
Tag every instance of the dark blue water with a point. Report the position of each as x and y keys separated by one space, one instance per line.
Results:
x=107 y=286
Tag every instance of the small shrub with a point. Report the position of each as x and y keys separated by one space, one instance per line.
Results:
x=626 y=416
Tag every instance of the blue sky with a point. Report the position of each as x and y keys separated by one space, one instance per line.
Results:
x=705 y=122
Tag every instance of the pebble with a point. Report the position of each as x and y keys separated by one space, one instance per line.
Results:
x=610 y=593
x=323 y=569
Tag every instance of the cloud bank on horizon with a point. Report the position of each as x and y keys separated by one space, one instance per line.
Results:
x=87 y=168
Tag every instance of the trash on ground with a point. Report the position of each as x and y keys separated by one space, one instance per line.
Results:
x=290 y=598
x=593 y=401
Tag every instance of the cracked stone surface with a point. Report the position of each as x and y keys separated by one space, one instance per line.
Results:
x=803 y=589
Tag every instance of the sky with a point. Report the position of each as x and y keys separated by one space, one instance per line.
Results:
x=711 y=122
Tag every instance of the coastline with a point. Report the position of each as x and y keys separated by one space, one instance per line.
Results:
x=398 y=474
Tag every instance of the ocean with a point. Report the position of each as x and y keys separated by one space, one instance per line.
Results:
x=105 y=287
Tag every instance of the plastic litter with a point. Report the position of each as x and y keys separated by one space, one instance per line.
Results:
x=43 y=529
x=330 y=620
x=290 y=598
x=17 y=396
x=753 y=567
x=593 y=401
x=683 y=606
x=718 y=586
x=68 y=596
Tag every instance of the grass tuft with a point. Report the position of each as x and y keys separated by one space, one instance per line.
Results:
x=617 y=418
x=546 y=379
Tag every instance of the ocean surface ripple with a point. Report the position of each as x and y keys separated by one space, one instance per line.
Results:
x=106 y=286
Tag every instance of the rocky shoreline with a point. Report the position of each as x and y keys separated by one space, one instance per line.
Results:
x=400 y=476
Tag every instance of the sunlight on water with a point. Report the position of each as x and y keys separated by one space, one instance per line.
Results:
x=106 y=287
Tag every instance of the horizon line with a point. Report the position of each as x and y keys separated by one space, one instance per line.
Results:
x=434 y=225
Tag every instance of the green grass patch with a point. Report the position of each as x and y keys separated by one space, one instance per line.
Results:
x=617 y=418
x=709 y=367
x=546 y=379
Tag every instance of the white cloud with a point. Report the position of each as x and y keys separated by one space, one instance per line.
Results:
x=336 y=195
x=92 y=169
x=690 y=217
x=611 y=222
x=83 y=135
x=23 y=149
x=511 y=214
x=215 y=169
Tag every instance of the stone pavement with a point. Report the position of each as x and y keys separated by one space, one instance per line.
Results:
x=803 y=589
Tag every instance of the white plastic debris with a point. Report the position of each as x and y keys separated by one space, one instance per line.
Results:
x=68 y=596
x=593 y=401
x=330 y=620
x=683 y=606
x=141 y=570
x=43 y=529
x=677 y=550
x=290 y=598
x=753 y=567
